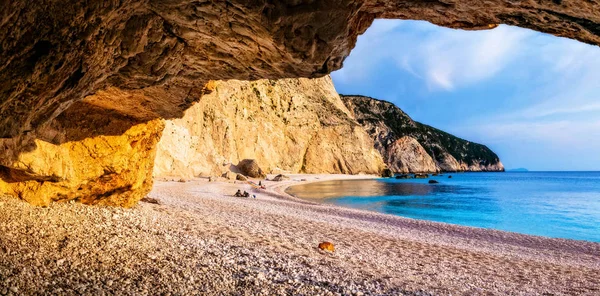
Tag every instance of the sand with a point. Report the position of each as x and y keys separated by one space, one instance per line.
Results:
x=202 y=240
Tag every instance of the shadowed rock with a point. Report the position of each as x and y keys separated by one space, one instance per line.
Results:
x=147 y=59
x=250 y=168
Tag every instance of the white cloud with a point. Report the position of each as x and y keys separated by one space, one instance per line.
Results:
x=446 y=59
x=548 y=110
x=451 y=59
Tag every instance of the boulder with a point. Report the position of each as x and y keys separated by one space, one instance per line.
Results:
x=404 y=176
x=151 y=200
x=421 y=176
x=241 y=177
x=387 y=173
x=280 y=178
x=250 y=168
x=433 y=182
x=327 y=246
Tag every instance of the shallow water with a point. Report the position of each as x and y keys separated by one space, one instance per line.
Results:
x=552 y=204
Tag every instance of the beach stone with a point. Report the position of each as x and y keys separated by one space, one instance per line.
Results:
x=151 y=200
x=433 y=182
x=421 y=176
x=241 y=177
x=250 y=168
x=280 y=178
x=327 y=246
x=387 y=173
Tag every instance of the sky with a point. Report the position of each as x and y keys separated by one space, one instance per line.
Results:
x=533 y=98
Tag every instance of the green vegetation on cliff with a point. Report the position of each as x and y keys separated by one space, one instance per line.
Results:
x=387 y=123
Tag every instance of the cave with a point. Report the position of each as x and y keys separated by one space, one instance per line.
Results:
x=77 y=76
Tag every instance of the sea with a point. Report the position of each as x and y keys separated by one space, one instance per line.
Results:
x=550 y=204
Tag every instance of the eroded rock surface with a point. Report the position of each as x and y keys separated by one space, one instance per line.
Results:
x=250 y=168
x=55 y=52
x=90 y=158
x=406 y=155
x=288 y=125
x=410 y=146
x=149 y=59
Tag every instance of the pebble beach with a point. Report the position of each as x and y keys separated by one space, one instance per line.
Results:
x=195 y=238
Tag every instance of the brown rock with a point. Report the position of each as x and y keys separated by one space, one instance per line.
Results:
x=250 y=168
x=279 y=178
x=241 y=177
x=60 y=51
x=387 y=173
x=150 y=200
x=327 y=246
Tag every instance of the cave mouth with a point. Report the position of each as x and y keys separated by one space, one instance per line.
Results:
x=530 y=96
x=136 y=61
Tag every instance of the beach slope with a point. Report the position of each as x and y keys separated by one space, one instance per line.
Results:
x=200 y=239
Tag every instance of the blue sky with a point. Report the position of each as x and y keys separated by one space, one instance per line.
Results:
x=531 y=97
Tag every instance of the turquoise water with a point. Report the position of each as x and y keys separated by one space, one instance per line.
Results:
x=552 y=204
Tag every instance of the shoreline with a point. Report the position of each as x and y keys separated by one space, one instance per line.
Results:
x=317 y=201
x=482 y=231
x=200 y=239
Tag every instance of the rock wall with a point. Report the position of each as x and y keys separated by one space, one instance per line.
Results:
x=409 y=146
x=149 y=59
x=59 y=51
x=406 y=155
x=88 y=158
x=288 y=125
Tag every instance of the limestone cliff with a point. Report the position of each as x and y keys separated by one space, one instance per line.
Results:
x=56 y=52
x=410 y=146
x=149 y=59
x=406 y=155
x=86 y=157
x=288 y=125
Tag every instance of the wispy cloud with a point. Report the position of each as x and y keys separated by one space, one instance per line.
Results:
x=545 y=110
x=444 y=59
x=453 y=59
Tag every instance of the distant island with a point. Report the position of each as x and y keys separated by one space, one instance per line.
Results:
x=518 y=170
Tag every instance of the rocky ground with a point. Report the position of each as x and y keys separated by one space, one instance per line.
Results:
x=202 y=240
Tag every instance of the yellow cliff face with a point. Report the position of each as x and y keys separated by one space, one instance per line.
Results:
x=288 y=125
x=104 y=169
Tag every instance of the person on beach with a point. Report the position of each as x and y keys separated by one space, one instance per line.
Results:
x=238 y=193
x=246 y=194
